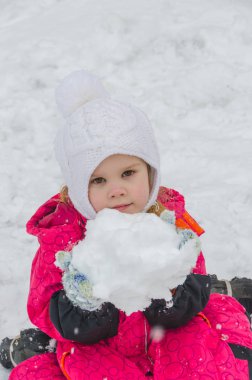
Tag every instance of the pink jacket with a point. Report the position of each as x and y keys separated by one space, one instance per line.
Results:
x=199 y=350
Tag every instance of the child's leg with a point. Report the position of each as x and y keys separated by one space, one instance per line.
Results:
x=228 y=318
x=98 y=362
x=213 y=348
x=183 y=353
x=40 y=367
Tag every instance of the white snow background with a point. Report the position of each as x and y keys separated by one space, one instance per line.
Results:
x=186 y=63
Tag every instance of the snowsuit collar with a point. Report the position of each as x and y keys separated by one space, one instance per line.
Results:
x=54 y=213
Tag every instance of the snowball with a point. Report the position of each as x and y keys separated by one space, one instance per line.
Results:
x=132 y=258
x=77 y=89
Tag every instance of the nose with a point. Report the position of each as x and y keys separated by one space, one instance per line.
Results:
x=117 y=192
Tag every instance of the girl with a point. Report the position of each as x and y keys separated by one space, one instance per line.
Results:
x=109 y=159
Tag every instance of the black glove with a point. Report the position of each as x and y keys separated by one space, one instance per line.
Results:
x=189 y=299
x=83 y=326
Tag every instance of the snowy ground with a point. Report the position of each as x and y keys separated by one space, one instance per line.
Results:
x=188 y=64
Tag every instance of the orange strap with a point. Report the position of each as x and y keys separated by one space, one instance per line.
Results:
x=62 y=365
x=187 y=222
x=201 y=315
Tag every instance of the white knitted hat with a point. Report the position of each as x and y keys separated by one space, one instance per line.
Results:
x=95 y=128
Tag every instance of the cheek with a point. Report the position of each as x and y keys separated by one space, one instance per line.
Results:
x=94 y=199
x=144 y=189
x=147 y=184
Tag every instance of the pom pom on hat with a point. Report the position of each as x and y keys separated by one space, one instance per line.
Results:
x=77 y=89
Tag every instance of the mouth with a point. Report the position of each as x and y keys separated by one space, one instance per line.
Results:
x=121 y=207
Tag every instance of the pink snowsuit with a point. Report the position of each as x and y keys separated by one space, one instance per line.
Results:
x=200 y=350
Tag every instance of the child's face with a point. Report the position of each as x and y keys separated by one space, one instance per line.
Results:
x=120 y=182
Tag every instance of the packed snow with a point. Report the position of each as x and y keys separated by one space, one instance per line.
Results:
x=187 y=64
x=117 y=245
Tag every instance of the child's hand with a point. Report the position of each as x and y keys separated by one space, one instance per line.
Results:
x=189 y=299
x=78 y=288
x=87 y=327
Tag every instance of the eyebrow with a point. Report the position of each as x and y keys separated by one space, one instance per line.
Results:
x=123 y=170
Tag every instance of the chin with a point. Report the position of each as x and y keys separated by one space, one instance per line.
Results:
x=134 y=211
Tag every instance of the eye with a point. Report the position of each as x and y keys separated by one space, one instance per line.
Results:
x=128 y=173
x=97 y=180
